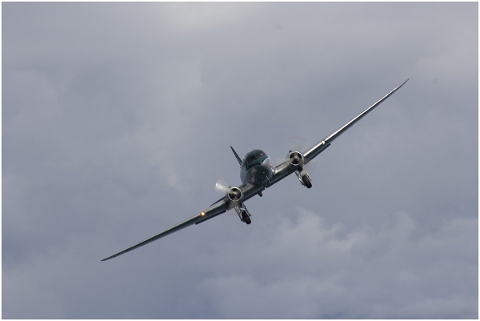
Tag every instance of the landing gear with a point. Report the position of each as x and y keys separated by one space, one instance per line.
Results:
x=246 y=217
x=306 y=181
x=304 y=178
x=243 y=213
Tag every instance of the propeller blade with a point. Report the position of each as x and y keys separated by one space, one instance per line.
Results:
x=310 y=167
x=221 y=186
x=296 y=143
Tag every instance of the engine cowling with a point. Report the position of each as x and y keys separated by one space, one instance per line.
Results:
x=296 y=159
x=234 y=194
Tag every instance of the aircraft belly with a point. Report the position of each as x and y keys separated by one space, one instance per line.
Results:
x=258 y=175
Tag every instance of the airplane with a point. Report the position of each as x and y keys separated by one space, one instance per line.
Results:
x=257 y=173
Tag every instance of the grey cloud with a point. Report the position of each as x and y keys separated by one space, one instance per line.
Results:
x=117 y=122
x=351 y=273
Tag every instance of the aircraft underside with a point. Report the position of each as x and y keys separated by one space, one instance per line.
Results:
x=258 y=173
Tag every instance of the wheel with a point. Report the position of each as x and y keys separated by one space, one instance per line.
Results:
x=246 y=217
x=306 y=181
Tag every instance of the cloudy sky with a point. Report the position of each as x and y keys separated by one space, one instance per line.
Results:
x=117 y=122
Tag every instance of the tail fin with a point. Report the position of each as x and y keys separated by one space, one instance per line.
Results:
x=236 y=155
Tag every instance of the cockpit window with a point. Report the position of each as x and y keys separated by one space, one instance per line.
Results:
x=255 y=157
x=251 y=158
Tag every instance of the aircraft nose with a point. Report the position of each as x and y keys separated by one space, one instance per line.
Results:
x=263 y=170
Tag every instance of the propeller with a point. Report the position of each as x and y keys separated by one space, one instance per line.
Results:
x=296 y=143
x=310 y=167
x=235 y=194
x=221 y=186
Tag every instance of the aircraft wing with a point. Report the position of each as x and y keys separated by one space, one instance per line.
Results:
x=217 y=208
x=283 y=170
x=214 y=210
x=318 y=148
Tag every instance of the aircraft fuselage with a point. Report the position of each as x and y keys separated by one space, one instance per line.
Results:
x=256 y=168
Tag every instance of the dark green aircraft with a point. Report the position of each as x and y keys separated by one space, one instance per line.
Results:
x=258 y=173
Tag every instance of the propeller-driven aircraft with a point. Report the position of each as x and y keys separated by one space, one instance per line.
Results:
x=257 y=173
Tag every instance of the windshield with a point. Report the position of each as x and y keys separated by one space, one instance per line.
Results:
x=255 y=157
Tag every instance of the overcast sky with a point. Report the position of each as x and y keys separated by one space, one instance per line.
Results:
x=117 y=122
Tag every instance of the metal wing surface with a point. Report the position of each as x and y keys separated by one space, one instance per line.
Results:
x=283 y=169
x=318 y=148
x=216 y=209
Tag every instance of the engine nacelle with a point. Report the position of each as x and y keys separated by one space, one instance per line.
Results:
x=234 y=194
x=296 y=159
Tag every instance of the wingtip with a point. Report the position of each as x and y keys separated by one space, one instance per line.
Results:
x=400 y=86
